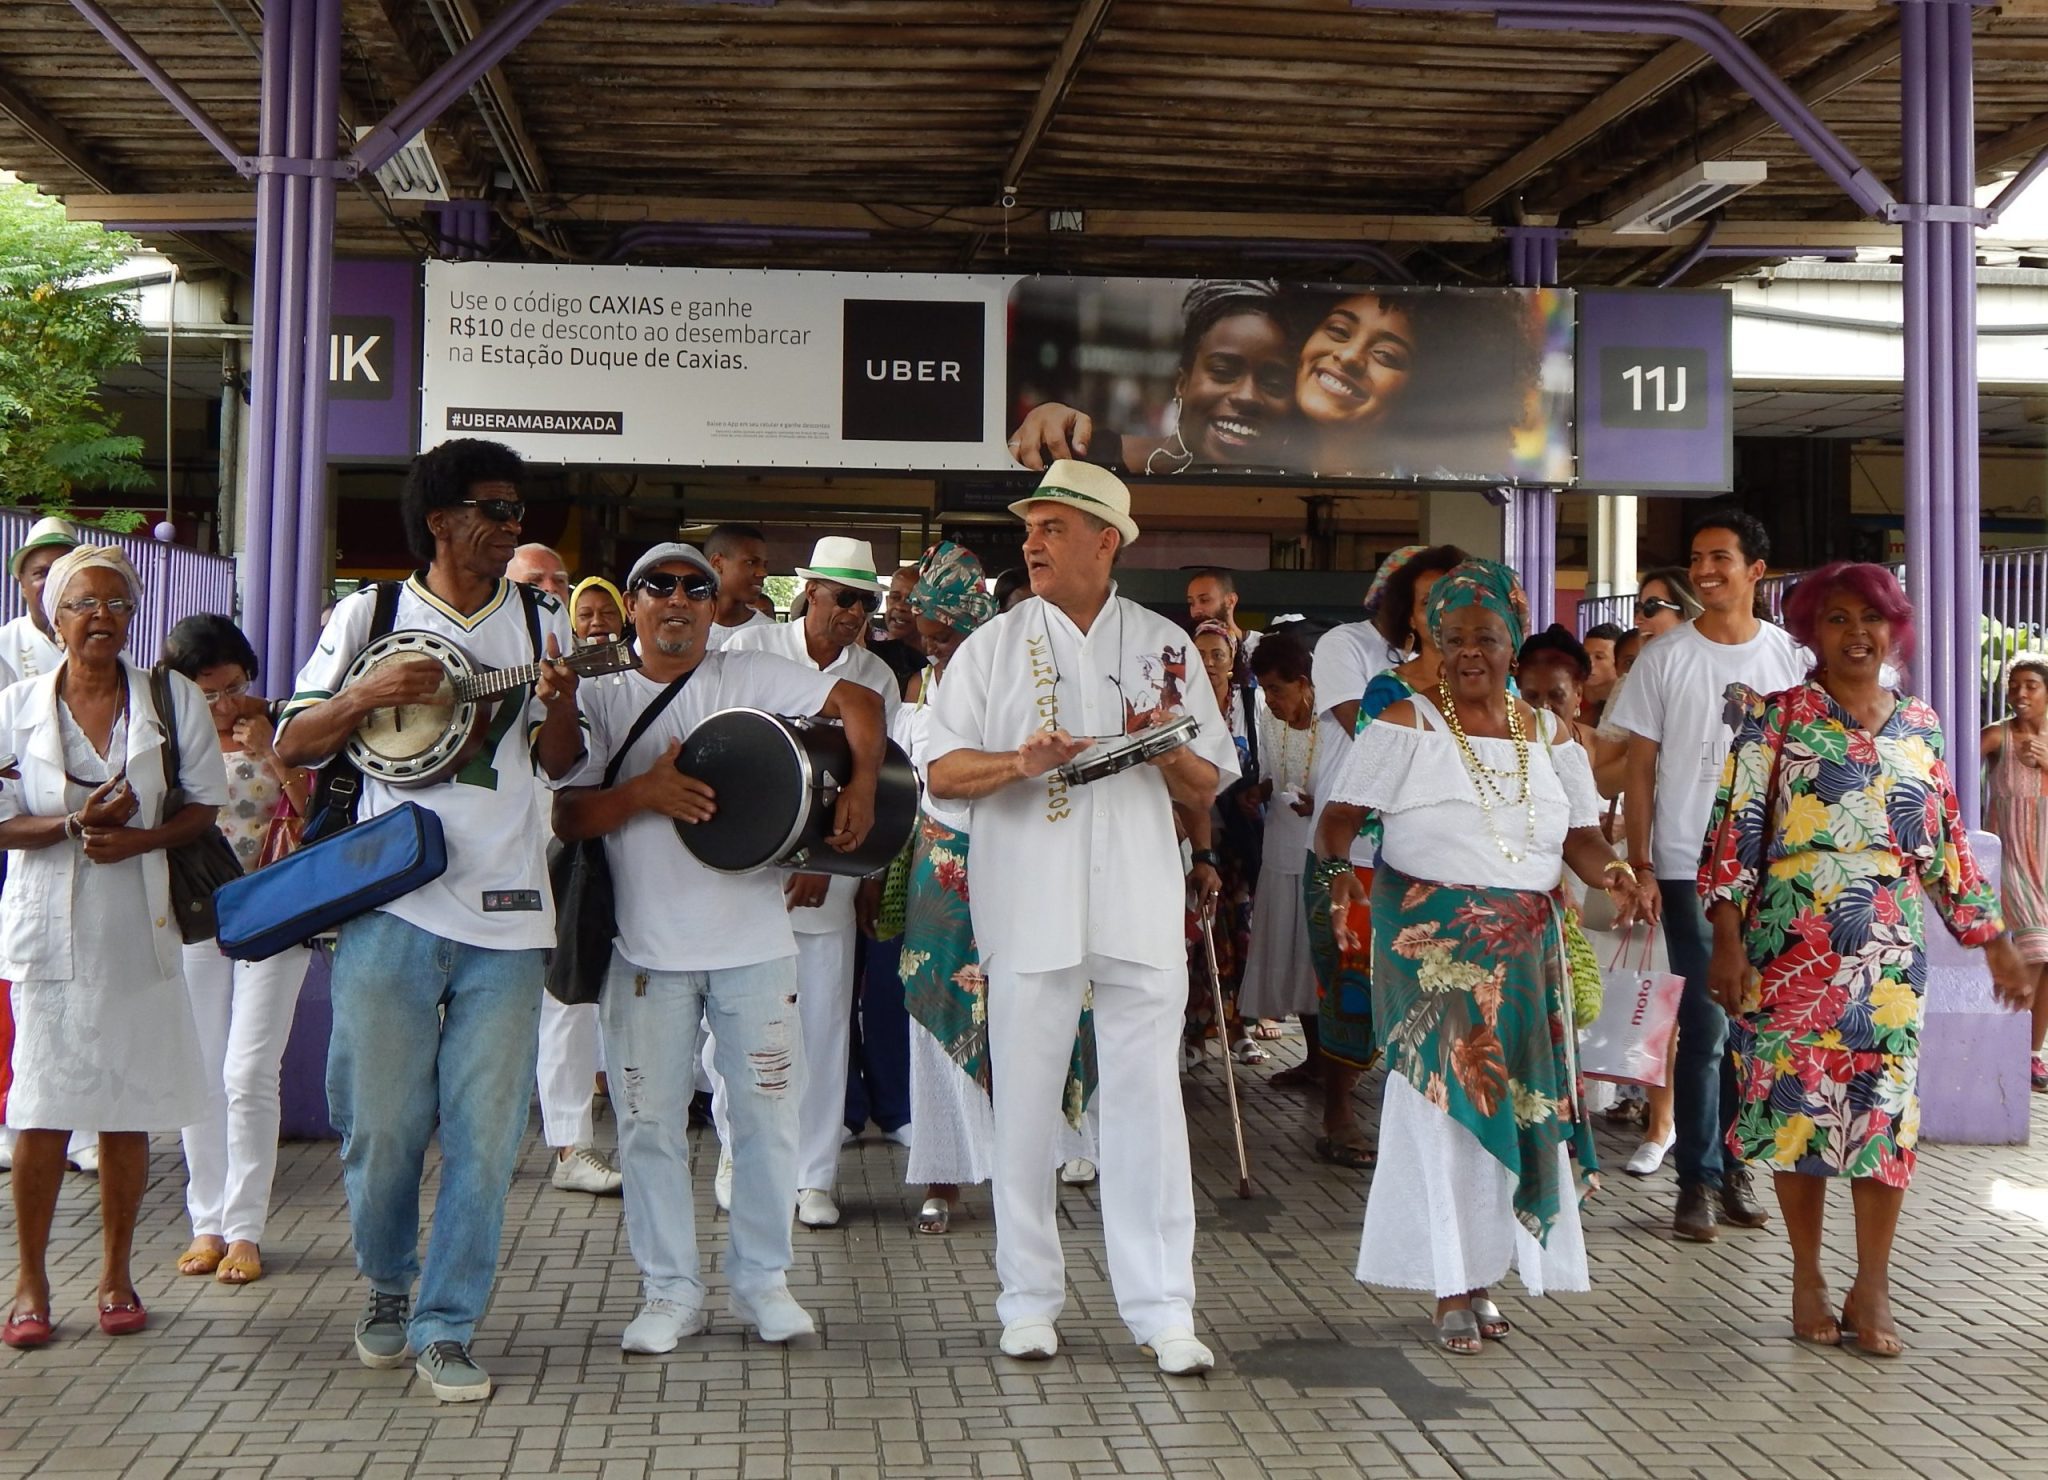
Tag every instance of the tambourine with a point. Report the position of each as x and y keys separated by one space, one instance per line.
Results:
x=1112 y=756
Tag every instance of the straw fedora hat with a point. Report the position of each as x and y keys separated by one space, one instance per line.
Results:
x=1088 y=488
x=844 y=561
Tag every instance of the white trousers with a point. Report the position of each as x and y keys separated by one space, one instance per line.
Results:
x=243 y=1012
x=1147 y=1187
x=824 y=1000
x=567 y=1071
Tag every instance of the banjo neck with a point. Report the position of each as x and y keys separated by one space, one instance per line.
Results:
x=587 y=661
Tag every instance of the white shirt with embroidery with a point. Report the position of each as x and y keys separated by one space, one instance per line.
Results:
x=855 y=665
x=1058 y=872
x=495 y=893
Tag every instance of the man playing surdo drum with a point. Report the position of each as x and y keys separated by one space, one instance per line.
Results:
x=1078 y=884
x=694 y=944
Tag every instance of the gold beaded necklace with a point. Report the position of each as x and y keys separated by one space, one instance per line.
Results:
x=1489 y=792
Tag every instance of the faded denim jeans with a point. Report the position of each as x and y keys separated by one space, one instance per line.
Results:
x=653 y=1027
x=427 y=1032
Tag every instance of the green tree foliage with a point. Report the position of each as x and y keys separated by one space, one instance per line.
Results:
x=59 y=336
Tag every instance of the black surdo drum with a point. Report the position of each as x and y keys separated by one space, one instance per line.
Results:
x=776 y=781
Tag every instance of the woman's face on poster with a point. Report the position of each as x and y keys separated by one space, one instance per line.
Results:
x=1355 y=365
x=1237 y=393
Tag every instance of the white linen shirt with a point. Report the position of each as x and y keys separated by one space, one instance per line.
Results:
x=716 y=636
x=1060 y=872
x=35 y=912
x=1347 y=658
x=25 y=652
x=855 y=665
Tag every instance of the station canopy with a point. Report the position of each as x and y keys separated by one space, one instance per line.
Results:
x=1295 y=138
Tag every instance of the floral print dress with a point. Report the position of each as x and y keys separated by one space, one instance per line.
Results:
x=1822 y=858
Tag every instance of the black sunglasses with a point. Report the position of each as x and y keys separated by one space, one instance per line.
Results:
x=499 y=510
x=663 y=584
x=1652 y=605
x=846 y=598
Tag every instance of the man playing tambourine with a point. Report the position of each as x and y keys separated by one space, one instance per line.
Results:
x=1079 y=884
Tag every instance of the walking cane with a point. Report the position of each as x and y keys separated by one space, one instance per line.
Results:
x=1244 y=1170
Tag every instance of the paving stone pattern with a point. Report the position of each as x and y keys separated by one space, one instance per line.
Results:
x=1679 y=1364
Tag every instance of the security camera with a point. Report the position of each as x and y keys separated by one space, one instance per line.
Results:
x=1009 y=200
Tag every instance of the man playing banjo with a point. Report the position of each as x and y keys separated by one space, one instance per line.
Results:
x=437 y=994
x=1072 y=884
x=841 y=591
x=694 y=943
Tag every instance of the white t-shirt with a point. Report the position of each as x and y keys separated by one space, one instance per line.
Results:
x=495 y=893
x=1676 y=695
x=912 y=729
x=1060 y=872
x=1347 y=658
x=856 y=665
x=719 y=635
x=674 y=913
x=25 y=652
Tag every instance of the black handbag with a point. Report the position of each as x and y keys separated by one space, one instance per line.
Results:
x=586 y=905
x=201 y=866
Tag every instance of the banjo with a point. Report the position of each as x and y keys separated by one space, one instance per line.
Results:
x=419 y=744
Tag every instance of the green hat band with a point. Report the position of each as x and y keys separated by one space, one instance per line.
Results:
x=1046 y=490
x=838 y=572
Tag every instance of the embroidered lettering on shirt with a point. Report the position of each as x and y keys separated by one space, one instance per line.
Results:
x=500 y=901
x=1045 y=678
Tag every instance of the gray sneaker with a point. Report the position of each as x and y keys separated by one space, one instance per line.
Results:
x=380 y=1334
x=453 y=1374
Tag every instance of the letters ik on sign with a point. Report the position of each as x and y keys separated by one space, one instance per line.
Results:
x=912 y=371
x=360 y=364
x=1653 y=386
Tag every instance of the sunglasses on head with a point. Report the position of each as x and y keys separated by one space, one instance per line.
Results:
x=846 y=598
x=663 y=583
x=499 y=510
x=1652 y=605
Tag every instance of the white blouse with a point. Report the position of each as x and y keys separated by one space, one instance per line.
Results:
x=1435 y=828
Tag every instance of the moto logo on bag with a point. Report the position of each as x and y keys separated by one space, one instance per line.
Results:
x=912 y=371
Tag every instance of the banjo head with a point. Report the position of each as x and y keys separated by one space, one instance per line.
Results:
x=413 y=744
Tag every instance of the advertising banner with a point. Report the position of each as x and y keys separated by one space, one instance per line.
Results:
x=373 y=360
x=1656 y=391
x=693 y=367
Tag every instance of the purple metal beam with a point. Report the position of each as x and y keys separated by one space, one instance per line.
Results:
x=258 y=483
x=310 y=573
x=163 y=82
x=1532 y=545
x=451 y=80
x=2017 y=185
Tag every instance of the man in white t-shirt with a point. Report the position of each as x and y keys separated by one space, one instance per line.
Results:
x=739 y=559
x=437 y=994
x=1077 y=894
x=1212 y=597
x=1675 y=710
x=694 y=943
x=841 y=592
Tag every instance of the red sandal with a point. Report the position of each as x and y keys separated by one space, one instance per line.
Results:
x=123 y=1320
x=27 y=1330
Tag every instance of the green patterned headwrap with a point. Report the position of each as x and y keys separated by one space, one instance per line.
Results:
x=950 y=588
x=1485 y=583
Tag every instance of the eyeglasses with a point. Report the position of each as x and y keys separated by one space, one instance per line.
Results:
x=232 y=691
x=846 y=598
x=663 y=584
x=84 y=606
x=499 y=510
x=1651 y=606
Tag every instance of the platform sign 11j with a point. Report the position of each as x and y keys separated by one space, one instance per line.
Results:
x=1655 y=392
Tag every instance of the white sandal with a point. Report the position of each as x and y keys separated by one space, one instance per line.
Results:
x=936 y=1216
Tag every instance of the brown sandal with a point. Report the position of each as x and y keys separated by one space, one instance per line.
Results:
x=240 y=1269
x=202 y=1258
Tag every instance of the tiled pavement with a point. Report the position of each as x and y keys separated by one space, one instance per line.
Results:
x=1679 y=1363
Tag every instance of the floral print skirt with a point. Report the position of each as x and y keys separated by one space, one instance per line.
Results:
x=1343 y=978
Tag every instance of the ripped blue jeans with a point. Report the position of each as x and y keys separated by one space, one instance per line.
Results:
x=653 y=1028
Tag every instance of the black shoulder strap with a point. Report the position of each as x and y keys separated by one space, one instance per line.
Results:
x=532 y=599
x=385 y=615
x=647 y=717
x=167 y=717
x=339 y=790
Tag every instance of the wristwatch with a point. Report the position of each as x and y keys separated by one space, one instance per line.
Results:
x=1209 y=856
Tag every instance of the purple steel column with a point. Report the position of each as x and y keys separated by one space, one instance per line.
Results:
x=1966 y=602
x=1532 y=263
x=258 y=481
x=309 y=574
x=296 y=17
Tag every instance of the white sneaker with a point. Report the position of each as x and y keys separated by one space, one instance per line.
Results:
x=1031 y=1340
x=6 y=1150
x=901 y=1135
x=586 y=1169
x=847 y=1137
x=1079 y=1172
x=774 y=1314
x=1179 y=1353
x=660 y=1325
x=721 y=1181
x=815 y=1208
x=1649 y=1156
x=84 y=1157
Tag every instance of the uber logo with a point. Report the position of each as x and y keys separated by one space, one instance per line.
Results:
x=361 y=363
x=912 y=371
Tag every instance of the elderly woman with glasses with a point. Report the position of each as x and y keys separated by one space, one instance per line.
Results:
x=104 y=1037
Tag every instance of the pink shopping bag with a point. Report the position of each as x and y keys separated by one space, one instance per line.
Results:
x=1630 y=1042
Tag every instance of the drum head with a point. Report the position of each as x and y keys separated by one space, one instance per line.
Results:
x=409 y=745
x=755 y=768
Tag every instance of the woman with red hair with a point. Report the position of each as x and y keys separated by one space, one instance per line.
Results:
x=1833 y=802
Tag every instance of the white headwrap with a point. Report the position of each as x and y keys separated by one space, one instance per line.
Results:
x=72 y=564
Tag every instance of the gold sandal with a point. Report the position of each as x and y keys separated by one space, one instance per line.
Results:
x=240 y=1269
x=203 y=1256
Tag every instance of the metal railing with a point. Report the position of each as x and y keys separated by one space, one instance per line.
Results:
x=176 y=582
x=2015 y=617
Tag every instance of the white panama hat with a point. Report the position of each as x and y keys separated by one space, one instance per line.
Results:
x=843 y=561
x=1088 y=488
